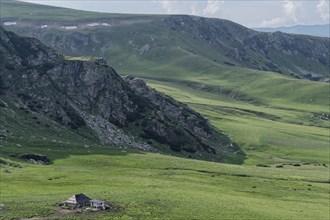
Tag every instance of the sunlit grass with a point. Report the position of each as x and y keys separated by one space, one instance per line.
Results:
x=154 y=186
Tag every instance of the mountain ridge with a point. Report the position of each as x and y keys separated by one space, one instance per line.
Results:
x=313 y=30
x=120 y=112
x=124 y=40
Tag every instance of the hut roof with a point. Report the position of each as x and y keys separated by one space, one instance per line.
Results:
x=78 y=198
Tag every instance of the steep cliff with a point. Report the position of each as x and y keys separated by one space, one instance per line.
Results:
x=120 y=112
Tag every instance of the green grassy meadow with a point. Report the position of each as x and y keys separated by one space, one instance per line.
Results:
x=275 y=119
x=270 y=132
x=152 y=186
x=145 y=185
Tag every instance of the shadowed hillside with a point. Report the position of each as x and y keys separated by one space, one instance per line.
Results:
x=125 y=40
x=90 y=95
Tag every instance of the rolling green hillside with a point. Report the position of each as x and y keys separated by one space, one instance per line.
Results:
x=279 y=121
x=292 y=172
x=281 y=113
x=122 y=39
x=274 y=118
x=122 y=112
x=144 y=185
x=191 y=69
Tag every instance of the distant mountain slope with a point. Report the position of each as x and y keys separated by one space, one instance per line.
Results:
x=90 y=95
x=314 y=30
x=128 y=41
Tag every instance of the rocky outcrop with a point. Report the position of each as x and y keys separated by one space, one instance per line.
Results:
x=35 y=158
x=297 y=55
x=121 y=112
x=221 y=41
x=191 y=122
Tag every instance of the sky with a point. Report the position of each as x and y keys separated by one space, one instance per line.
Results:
x=256 y=13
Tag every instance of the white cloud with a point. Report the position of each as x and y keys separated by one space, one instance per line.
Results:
x=289 y=11
x=168 y=6
x=194 y=9
x=212 y=7
x=323 y=9
x=202 y=8
x=272 y=22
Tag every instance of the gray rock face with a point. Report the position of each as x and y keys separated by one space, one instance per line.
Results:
x=298 y=55
x=192 y=122
x=3 y=104
x=121 y=112
x=73 y=42
x=232 y=44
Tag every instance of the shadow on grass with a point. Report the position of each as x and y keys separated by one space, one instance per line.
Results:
x=54 y=151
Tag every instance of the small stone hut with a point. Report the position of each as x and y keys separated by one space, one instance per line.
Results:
x=78 y=200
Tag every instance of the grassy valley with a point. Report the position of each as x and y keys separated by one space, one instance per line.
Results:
x=280 y=122
x=284 y=131
x=143 y=185
x=273 y=117
x=152 y=186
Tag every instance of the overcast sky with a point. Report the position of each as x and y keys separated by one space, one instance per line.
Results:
x=261 y=13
